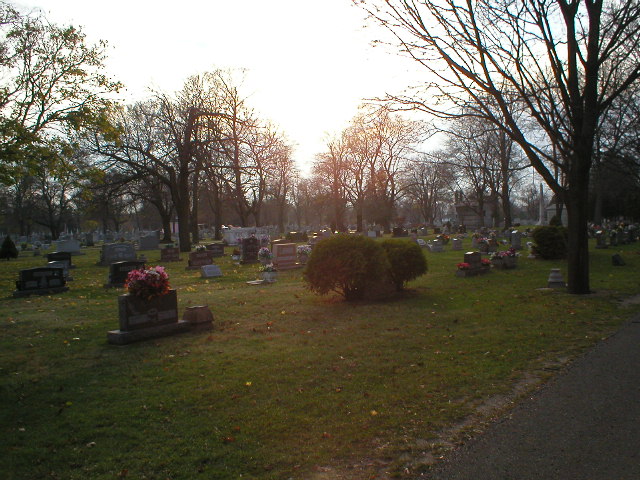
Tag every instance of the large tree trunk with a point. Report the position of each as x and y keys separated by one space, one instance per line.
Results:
x=195 y=233
x=577 y=205
x=598 y=194
x=166 y=227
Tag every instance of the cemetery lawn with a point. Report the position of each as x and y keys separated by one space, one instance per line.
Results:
x=288 y=384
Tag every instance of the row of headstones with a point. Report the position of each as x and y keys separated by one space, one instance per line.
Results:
x=615 y=238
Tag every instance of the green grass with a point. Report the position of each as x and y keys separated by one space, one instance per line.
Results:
x=289 y=384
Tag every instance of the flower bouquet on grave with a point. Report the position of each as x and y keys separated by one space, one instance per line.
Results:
x=148 y=284
x=444 y=238
x=505 y=259
x=269 y=272
x=303 y=253
x=268 y=267
x=464 y=269
x=265 y=255
x=485 y=262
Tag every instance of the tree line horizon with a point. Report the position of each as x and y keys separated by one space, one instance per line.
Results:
x=511 y=87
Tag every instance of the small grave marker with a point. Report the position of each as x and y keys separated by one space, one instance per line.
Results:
x=210 y=271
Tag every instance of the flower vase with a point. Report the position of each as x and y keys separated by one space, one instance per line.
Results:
x=509 y=262
x=269 y=277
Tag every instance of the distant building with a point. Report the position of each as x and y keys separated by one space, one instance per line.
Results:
x=468 y=212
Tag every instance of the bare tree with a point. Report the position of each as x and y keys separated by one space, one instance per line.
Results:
x=429 y=182
x=547 y=54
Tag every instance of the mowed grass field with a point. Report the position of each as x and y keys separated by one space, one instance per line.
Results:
x=289 y=385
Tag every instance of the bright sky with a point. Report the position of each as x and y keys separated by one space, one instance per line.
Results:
x=309 y=62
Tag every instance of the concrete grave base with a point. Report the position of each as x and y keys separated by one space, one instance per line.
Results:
x=40 y=291
x=119 y=337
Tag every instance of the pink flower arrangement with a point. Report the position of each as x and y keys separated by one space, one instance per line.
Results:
x=485 y=262
x=153 y=282
x=464 y=266
x=507 y=253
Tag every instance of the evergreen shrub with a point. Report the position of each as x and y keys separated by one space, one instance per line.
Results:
x=406 y=259
x=550 y=242
x=8 y=249
x=352 y=265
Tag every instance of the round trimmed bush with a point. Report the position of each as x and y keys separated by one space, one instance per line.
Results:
x=351 y=265
x=406 y=259
x=550 y=242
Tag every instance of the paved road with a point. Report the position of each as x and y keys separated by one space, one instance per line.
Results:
x=583 y=425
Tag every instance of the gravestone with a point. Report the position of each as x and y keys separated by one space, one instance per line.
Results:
x=64 y=266
x=601 y=240
x=285 y=256
x=613 y=238
x=40 y=281
x=399 y=232
x=118 y=272
x=617 y=261
x=142 y=318
x=474 y=259
x=249 y=250
x=516 y=240
x=210 y=271
x=216 y=249
x=88 y=239
x=70 y=245
x=198 y=259
x=60 y=257
x=372 y=234
x=149 y=242
x=421 y=243
x=117 y=252
x=170 y=254
x=436 y=246
x=456 y=244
